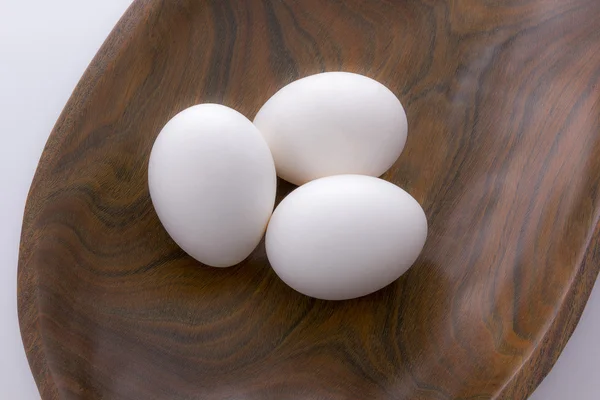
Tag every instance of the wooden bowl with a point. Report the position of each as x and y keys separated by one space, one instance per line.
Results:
x=503 y=153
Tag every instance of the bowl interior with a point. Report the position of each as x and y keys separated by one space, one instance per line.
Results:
x=503 y=154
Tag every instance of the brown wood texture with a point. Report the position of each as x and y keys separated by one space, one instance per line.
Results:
x=503 y=153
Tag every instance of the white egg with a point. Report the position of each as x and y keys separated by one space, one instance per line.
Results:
x=345 y=236
x=333 y=123
x=212 y=182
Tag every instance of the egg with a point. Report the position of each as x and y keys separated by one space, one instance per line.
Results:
x=212 y=182
x=333 y=123
x=345 y=236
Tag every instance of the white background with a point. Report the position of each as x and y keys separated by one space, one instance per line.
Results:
x=45 y=46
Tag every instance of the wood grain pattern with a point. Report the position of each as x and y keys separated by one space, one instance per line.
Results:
x=503 y=153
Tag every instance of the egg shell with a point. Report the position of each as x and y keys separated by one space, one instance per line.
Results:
x=345 y=236
x=333 y=123
x=212 y=182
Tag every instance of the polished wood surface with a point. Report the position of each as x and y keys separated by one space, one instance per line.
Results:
x=503 y=153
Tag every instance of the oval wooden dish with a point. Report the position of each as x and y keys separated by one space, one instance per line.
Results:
x=503 y=153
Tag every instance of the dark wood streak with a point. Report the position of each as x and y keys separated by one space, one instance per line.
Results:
x=503 y=153
x=281 y=59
